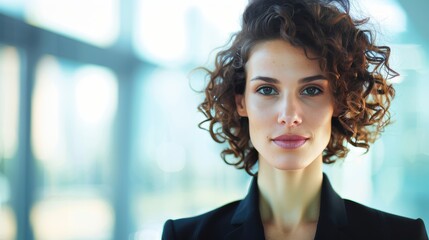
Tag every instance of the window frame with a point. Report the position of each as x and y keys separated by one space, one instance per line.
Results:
x=32 y=43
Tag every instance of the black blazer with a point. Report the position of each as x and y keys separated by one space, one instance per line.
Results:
x=339 y=219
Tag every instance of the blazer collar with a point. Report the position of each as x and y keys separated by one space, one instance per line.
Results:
x=247 y=218
x=332 y=222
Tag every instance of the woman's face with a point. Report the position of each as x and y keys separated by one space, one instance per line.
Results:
x=289 y=105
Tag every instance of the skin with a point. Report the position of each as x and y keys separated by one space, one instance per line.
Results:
x=287 y=94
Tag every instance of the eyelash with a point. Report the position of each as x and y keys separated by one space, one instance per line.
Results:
x=317 y=89
x=260 y=90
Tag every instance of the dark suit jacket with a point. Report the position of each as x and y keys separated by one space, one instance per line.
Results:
x=339 y=219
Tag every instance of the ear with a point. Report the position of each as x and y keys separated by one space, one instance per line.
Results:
x=241 y=105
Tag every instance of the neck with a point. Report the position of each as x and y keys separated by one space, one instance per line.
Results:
x=289 y=198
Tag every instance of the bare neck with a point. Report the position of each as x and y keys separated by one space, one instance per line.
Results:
x=290 y=198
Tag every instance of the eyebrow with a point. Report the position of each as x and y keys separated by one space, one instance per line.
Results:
x=302 y=80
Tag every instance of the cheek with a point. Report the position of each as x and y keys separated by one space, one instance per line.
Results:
x=259 y=109
x=261 y=120
x=320 y=119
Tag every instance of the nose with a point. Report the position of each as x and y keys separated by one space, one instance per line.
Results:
x=289 y=114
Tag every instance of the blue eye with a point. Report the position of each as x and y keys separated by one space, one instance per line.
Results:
x=311 y=91
x=267 y=91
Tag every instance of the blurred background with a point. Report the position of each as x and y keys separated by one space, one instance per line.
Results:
x=98 y=119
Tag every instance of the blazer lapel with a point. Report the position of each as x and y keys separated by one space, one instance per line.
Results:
x=333 y=223
x=246 y=219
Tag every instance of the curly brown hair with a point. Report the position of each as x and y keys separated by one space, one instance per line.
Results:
x=358 y=72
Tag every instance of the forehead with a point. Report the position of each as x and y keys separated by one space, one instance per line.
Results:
x=279 y=57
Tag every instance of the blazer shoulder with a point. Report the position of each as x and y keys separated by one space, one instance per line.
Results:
x=390 y=226
x=213 y=222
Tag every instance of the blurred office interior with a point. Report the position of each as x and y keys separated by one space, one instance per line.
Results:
x=98 y=119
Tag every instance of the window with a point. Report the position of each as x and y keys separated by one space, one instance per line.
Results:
x=174 y=158
x=94 y=21
x=74 y=106
x=9 y=105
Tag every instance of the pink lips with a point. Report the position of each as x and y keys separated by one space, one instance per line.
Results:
x=290 y=141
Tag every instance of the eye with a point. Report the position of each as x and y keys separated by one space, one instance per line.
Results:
x=267 y=91
x=311 y=91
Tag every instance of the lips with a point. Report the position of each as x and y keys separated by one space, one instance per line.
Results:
x=290 y=141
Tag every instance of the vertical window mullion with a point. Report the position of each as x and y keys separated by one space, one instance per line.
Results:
x=24 y=173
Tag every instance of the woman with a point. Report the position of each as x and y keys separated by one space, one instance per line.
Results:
x=299 y=82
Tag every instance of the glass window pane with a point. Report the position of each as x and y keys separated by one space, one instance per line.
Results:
x=12 y=7
x=94 y=21
x=187 y=31
x=73 y=110
x=172 y=153
x=9 y=106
